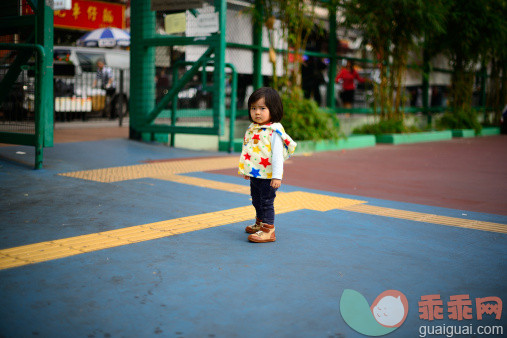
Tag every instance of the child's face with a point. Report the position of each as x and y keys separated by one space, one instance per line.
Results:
x=259 y=112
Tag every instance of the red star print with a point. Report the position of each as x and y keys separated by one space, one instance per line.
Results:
x=287 y=142
x=264 y=162
x=247 y=157
x=256 y=137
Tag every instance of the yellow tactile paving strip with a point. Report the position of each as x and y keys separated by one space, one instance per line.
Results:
x=204 y=183
x=285 y=202
x=40 y=252
x=156 y=169
x=428 y=218
x=45 y=251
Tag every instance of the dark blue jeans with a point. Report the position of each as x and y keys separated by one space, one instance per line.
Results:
x=263 y=198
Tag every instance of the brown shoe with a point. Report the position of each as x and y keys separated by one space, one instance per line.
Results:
x=266 y=234
x=252 y=229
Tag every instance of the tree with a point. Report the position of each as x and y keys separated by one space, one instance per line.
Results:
x=497 y=57
x=393 y=28
x=304 y=120
x=297 y=20
x=467 y=42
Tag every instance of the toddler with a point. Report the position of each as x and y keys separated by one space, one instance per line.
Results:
x=265 y=147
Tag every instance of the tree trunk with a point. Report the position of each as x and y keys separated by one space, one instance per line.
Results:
x=494 y=90
x=399 y=68
x=462 y=89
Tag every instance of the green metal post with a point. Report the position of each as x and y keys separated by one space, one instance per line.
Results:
x=174 y=106
x=219 y=75
x=257 y=41
x=142 y=60
x=232 y=120
x=332 y=59
x=44 y=86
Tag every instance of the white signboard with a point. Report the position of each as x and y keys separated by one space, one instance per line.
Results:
x=59 y=5
x=238 y=30
x=204 y=24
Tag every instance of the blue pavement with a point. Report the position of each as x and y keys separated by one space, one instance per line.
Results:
x=213 y=282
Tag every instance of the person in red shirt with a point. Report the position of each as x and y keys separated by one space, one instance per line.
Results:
x=348 y=74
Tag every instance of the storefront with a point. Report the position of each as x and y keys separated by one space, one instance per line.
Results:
x=86 y=15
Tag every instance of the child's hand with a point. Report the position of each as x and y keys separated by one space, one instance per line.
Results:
x=246 y=177
x=276 y=183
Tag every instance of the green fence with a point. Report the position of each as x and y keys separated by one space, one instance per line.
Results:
x=26 y=76
x=196 y=97
x=149 y=115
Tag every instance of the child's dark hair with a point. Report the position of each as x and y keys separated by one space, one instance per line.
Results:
x=272 y=100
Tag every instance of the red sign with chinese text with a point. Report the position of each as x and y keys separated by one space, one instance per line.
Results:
x=90 y=15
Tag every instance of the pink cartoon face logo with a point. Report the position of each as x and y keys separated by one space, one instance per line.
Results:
x=390 y=308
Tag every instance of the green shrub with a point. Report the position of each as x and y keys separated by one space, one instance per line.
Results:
x=303 y=120
x=459 y=119
x=385 y=127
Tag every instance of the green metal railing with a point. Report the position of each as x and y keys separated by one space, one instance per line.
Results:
x=175 y=113
x=258 y=49
x=36 y=139
x=41 y=26
x=144 y=113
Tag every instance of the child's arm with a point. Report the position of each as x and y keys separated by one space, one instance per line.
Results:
x=277 y=160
